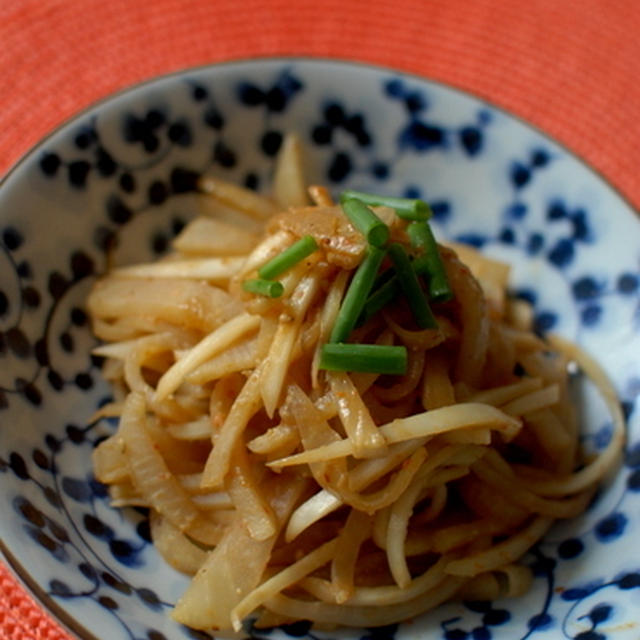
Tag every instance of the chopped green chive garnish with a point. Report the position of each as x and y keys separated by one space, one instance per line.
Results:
x=268 y=288
x=429 y=263
x=406 y=208
x=357 y=294
x=297 y=252
x=379 y=299
x=368 y=358
x=410 y=286
x=372 y=228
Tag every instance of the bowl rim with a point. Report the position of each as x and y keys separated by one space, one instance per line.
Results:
x=292 y=59
x=55 y=611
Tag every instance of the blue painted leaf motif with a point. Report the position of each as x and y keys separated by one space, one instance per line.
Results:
x=602 y=437
x=18 y=343
x=496 y=617
x=214 y=118
x=632 y=458
x=590 y=315
x=519 y=175
x=540 y=622
x=481 y=633
x=557 y=210
x=570 y=548
x=633 y=481
x=517 y=211
x=394 y=88
x=76 y=489
x=250 y=95
x=98 y=489
x=29 y=512
x=157 y=192
x=199 y=92
x=422 y=136
x=105 y=164
x=149 y=598
x=581 y=230
x=18 y=466
x=75 y=433
x=414 y=101
x=97 y=528
x=12 y=238
x=586 y=288
x=340 y=167
x=535 y=243
x=271 y=142
x=507 y=236
x=581 y=592
x=124 y=552
x=562 y=253
x=540 y=158
x=322 y=134
x=85 y=137
x=627 y=283
x=611 y=527
x=576 y=593
x=115 y=583
x=476 y=240
x=183 y=180
x=143 y=130
x=441 y=210
x=179 y=133
x=52 y=497
x=600 y=613
x=224 y=155
x=590 y=635
x=88 y=571
x=471 y=139
x=78 y=173
x=50 y=163
x=143 y=529
x=108 y=603
x=58 y=531
x=117 y=210
x=629 y=581
x=59 y=588
x=197 y=634
x=275 y=98
x=545 y=321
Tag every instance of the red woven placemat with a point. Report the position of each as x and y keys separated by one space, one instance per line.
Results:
x=568 y=66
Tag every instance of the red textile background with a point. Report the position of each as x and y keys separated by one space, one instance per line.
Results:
x=568 y=66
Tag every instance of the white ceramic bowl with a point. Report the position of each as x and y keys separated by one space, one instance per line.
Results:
x=121 y=173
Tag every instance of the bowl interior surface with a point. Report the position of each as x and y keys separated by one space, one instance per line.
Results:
x=120 y=177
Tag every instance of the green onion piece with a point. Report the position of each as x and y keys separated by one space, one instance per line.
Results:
x=297 y=252
x=429 y=263
x=410 y=286
x=268 y=288
x=369 y=358
x=379 y=299
x=372 y=228
x=406 y=208
x=357 y=294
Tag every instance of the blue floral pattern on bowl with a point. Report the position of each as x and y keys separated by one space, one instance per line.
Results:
x=119 y=180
